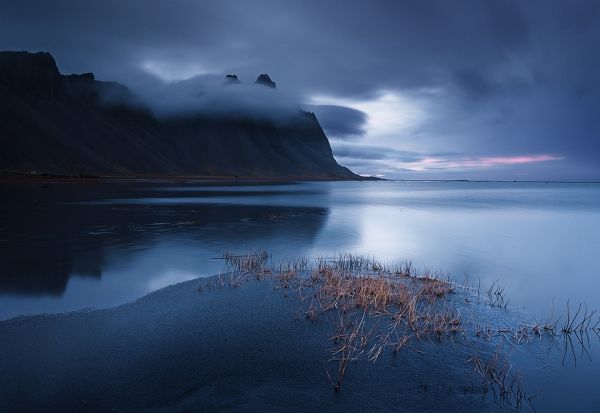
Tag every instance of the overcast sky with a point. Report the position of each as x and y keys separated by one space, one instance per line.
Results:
x=404 y=89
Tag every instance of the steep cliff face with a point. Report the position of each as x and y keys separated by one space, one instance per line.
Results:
x=28 y=74
x=74 y=124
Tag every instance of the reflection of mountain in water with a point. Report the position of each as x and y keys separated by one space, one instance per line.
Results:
x=47 y=235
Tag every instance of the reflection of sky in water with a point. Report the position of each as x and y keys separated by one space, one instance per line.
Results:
x=100 y=246
x=67 y=247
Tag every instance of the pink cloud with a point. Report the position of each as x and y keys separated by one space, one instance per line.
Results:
x=481 y=162
x=512 y=160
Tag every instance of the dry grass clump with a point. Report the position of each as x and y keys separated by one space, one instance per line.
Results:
x=500 y=378
x=351 y=342
x=253 y=262
x=379 y=307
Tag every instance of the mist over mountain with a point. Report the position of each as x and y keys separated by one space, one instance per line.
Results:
x=217 y=96
x=74 y=124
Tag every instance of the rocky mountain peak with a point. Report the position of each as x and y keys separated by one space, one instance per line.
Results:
x=229 y=79
x=264 y=79
x=33 y=74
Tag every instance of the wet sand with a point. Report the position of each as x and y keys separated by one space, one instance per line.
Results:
x=235 y=349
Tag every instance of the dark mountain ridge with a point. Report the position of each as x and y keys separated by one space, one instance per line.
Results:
x=74 y=124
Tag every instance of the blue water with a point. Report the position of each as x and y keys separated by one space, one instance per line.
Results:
x=72 y=246
x=68 y=246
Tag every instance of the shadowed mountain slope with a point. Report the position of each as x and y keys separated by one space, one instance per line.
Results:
x=73 y=124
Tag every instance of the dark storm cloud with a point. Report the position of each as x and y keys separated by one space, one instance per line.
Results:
x=339 y=121
x=473 y=83
x=321 y=45
x=500 y=78
x=369 y=152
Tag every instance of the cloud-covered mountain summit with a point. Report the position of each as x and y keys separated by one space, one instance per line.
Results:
x=74 y=124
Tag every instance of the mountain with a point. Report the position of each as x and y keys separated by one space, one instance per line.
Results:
x=76 y=125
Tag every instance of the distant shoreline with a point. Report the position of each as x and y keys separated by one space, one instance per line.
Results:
x=33 y=178
x=44 y=177
x=541 y=181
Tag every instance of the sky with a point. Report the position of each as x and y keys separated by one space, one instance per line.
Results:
x=423 y=89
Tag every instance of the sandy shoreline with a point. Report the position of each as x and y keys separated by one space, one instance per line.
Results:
x=342 y=334
x=239 y=349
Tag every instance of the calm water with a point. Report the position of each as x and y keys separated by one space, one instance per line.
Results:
x=70 y=246
x=66 y=247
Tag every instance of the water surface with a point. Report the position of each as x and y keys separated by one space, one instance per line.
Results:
x=67 y=246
